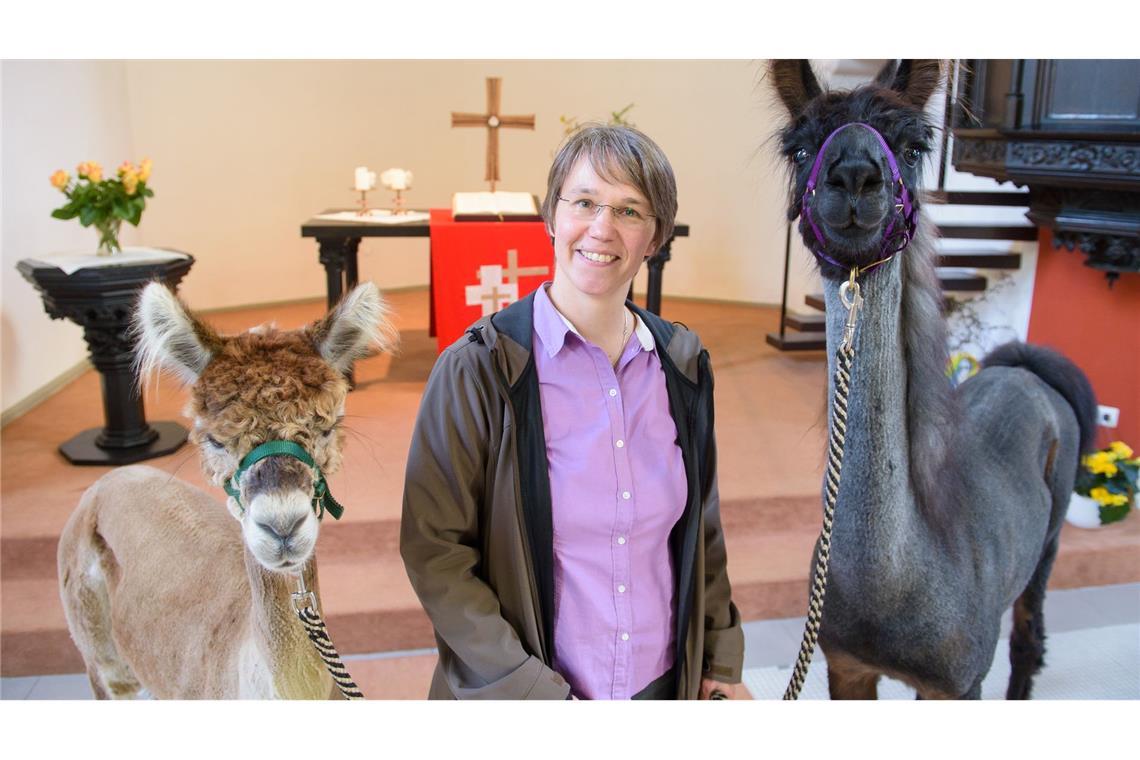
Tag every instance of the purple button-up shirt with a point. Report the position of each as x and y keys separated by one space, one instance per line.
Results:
x=617 y=487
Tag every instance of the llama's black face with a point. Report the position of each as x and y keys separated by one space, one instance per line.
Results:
x=853 y=203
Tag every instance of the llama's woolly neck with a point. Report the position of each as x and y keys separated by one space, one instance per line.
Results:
x=299 y=673
x=897 y=412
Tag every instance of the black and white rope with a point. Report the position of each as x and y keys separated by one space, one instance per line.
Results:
x=843 y=359
x=319 y=635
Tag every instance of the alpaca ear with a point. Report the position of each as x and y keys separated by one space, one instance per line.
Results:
x=169 y=337
x=795 y=83
x=915 y=80
x=355 y=328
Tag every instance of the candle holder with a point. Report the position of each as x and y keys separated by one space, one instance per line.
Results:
x=363 y=204
x=398 y=204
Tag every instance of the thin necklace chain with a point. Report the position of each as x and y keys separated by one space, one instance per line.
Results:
x=626 y=325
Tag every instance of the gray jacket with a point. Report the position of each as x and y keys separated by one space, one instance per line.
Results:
x=476 y=532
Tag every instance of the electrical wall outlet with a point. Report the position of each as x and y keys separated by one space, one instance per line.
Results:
x=1107 y=416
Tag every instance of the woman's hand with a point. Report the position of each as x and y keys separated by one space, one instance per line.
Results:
x=708 y=686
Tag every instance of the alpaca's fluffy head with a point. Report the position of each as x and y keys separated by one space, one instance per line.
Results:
x=265 y=385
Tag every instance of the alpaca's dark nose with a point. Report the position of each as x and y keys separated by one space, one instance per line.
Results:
x=280 y=530
x=855 y=176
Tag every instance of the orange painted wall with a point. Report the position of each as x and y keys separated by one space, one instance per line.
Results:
x=1075 y=312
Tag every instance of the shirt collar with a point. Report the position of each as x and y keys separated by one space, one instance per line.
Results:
x=643 y=335
x=552 y=327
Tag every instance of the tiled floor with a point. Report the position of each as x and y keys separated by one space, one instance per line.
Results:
x=768 y=643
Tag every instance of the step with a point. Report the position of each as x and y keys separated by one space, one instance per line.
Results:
x=981 y=260
x=370 y=606
x=777 y=587
x=988 y=232
x=805 y=322
x=796 y=341
x=951 y=282
x=368 y=602
x=976 y=198
x=815 y=300
x=406 y=677
x=962 y=282
x=35 y=556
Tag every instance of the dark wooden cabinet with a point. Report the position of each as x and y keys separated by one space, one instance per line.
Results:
x=1069 y=130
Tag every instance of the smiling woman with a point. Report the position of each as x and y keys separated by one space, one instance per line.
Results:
x=598 y=254
x=561 y=527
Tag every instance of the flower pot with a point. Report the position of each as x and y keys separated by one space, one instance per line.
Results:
x=1084 y=512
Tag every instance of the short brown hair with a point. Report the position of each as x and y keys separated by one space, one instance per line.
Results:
x=618 y=154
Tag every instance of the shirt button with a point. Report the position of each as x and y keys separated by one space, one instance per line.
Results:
x=621 y=589
x=625 y=494
x=613 y=391
x=619 y=444
x=625 y=637
x=621 y=539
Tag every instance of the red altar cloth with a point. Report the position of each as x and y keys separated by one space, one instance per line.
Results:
x=478 y=268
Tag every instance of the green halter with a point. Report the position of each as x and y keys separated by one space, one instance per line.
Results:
x=322 y=499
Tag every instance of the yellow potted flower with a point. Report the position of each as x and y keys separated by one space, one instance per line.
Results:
x=104 y=203
x=1105 y=488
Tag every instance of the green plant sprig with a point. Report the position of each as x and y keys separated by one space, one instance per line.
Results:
x=94 y=202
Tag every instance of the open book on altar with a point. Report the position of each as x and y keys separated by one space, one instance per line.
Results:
x=493 y=207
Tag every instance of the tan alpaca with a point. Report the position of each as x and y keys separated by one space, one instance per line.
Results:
x=164 y=593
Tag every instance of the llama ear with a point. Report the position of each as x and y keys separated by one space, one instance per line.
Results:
x=795 y=83
x=915 y=80
x=357 y=326
x=886 y=75
x=169 y=337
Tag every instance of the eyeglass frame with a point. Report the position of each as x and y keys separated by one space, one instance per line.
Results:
x=613 y=209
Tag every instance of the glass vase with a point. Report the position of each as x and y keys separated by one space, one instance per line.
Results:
x=108 y=236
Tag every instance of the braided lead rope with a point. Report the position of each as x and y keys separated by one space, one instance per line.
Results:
x=834 y=469
x=844 y=356
x=305 y=604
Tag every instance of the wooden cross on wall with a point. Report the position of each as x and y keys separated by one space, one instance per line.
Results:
x=492 y=121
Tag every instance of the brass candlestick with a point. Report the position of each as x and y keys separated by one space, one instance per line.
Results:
x=398 y=203
x=363 y=210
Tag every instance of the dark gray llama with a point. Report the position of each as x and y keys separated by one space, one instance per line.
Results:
x=951 y=502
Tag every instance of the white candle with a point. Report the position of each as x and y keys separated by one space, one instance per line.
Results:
x=397 y=179
x=365 y=180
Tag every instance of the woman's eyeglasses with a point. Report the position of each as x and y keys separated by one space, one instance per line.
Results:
x=585 y=210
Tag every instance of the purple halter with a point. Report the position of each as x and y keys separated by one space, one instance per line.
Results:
x=892 y=243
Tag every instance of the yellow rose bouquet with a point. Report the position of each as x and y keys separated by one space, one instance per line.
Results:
x=104 y=203
x=1109 y=478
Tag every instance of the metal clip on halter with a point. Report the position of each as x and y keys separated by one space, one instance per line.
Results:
x=302 y=597
x=852 y=300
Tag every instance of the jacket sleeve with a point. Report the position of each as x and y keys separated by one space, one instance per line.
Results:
x=724 y=637
x=444 y=491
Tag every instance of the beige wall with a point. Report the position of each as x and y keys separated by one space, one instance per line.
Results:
x=244 y=151
x=54 y=114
